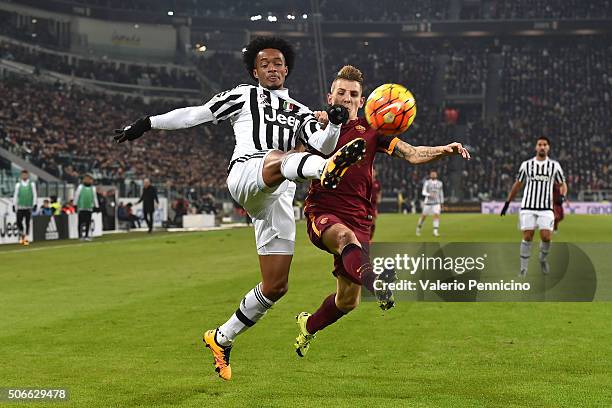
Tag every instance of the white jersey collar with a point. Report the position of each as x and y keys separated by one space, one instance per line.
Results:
x=284 y=92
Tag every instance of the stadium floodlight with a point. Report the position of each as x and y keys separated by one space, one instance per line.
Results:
x=170 y=13
x=201 y=48
x=256 y=17
x=272 y=18
x=34 y=21
x=304 y=16
x=290 y=17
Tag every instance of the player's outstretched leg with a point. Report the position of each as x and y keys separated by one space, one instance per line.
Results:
x=436 y=226
x=252 y=308
x=545 y=236
x=304 y=166
x=420 y=225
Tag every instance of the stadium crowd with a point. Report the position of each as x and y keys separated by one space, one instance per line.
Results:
x=544 y=90
x=362 y=11
x=99 y=69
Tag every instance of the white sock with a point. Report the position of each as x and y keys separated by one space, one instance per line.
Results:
x=436 y=224
x=525 y=254
x=302 y=166
x=253 y=307
x=544 y=248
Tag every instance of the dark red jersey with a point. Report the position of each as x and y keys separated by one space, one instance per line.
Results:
x=352 y=199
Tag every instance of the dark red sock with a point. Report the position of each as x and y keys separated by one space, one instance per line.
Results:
x=325 y=315
x=357 y=264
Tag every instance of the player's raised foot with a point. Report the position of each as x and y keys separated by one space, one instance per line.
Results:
x=385 y=297
x=302 y=341
x=418 y=232
x=221 y=355
x=545 y=267
x=344 y=158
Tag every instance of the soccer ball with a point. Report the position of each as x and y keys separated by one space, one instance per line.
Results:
x=390 y=109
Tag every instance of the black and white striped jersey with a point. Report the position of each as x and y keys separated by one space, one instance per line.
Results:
x=433 y=191
x=539 y=176
x=263 y=119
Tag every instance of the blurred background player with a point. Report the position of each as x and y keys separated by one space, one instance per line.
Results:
x=538 y=174
x=24 y=202
x=267 y=125
x=558 y=200
x=149 y=200
x=86 y=200
x=433 y=191
x=340 y=221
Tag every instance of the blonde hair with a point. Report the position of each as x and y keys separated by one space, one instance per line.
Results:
x=350 y=73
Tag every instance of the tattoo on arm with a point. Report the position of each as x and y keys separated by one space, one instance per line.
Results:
x=421 y=154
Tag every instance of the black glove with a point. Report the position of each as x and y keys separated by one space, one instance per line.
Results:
x=133 y=131
x=337 y=114
x=560 y=200
x=34 y=208
x=506 y=205
x=14 y=209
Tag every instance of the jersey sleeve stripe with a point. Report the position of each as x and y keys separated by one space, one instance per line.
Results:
x=218 y=105
x=229 y=111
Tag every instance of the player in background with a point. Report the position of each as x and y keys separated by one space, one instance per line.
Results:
x=538 y=174
x=24 y=202
x=433 y=191
x=558 y=206
x=340 y=222
x=267 y=124
x=376 y=199
x=86 y=200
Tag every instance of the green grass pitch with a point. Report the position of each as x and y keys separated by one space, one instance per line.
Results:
x=119 y=321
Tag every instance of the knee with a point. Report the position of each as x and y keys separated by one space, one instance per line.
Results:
x=276 y=290
x=346 y=237
x=347 y=303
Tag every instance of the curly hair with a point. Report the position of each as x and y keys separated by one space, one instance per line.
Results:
x=261 y=43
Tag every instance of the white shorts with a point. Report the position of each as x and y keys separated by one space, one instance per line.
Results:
x=431 y=209
x=271 y=208
x=529 y=219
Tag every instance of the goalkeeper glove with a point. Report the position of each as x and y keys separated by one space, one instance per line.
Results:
x=133 y=131
x=337 y=114
x=506 y=205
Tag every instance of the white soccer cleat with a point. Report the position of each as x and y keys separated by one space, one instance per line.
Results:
x=436 y=233
x=418 y=232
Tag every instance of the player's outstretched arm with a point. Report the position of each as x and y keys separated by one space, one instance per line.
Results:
x=323 y=138
x=220 y=107
x=177 y=119
x=516 y=187
x=427 y=154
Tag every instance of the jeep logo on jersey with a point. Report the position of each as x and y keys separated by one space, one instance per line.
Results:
x=281 y=119
x=541 y=177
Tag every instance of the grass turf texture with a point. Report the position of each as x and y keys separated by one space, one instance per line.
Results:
x=119 y=321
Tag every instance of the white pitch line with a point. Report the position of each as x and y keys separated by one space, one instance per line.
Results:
x=92 y=243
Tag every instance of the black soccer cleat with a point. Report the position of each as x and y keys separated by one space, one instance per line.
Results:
x=385 y=297
x=339 y=163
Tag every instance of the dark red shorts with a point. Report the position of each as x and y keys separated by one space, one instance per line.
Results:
x=317 y=223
